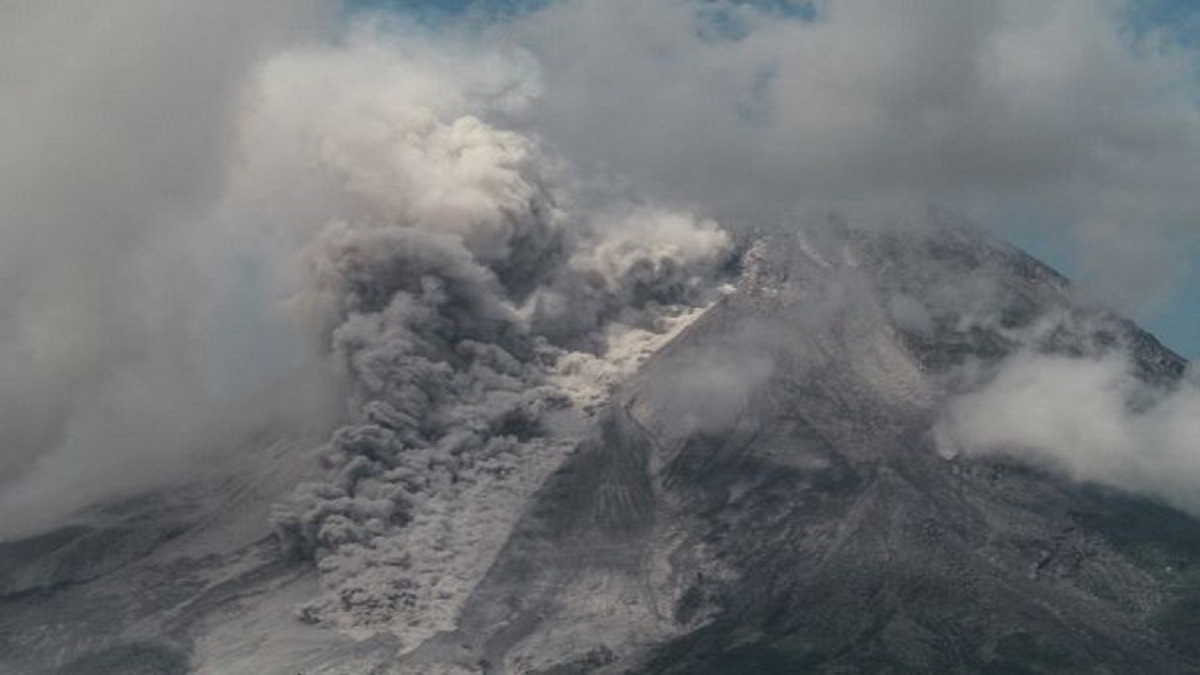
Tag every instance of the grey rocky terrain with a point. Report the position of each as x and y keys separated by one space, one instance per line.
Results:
x=767 y=493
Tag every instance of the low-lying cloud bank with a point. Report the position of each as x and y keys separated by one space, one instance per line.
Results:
x=1090 y=419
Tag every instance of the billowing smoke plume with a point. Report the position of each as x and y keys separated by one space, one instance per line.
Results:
x=458 y=288
x=362 y=180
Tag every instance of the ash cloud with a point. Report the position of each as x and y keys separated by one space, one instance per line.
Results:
x=452 y=274
x=116 y=123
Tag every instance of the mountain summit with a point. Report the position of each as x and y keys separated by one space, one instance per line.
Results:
x=778 y=477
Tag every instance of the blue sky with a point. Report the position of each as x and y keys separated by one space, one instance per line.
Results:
x=1178 y=324
x=1174 y=318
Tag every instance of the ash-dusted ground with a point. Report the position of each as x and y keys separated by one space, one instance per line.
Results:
x=763 y=483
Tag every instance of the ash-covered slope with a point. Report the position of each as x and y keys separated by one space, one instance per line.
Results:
x=768 y=494
x=138 y=586
x=771 y=490
x=850 y=542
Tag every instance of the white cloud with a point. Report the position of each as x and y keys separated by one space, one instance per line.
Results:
x=1083 y=418
x=1047 y=112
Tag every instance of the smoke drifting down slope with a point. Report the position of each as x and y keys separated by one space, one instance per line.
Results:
x=461 y=296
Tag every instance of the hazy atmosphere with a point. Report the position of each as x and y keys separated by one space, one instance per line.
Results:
x=165 y=161
x=439 y=226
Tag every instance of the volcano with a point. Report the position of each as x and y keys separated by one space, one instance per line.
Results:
x=765 y=487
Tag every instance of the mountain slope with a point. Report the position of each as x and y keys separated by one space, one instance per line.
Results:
x=768 y=493
x=807 y=522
